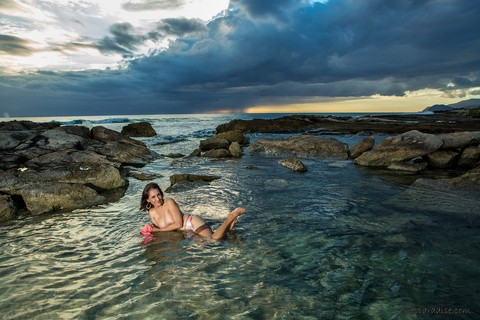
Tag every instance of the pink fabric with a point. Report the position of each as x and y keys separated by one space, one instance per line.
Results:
x=147 y=229
x=147 y=233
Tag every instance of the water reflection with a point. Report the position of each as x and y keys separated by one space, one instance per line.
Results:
x=164 y=245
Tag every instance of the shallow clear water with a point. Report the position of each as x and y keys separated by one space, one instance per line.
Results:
x=337 y=242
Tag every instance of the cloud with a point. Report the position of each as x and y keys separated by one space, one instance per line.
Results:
x=277 y=52
x=147 y=5
x=8 y=4
x=14 y=45
x=126 y=40
x=180 y=27
x=123 y=39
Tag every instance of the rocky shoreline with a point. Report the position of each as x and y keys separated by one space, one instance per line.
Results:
x=48 y=167
x=418 y=143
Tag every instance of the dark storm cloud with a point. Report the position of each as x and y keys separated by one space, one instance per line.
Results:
x=181 y=26
x=264 y=52
x=123 y=39
x=263 y=8
x=152 y=5
x=14 y=45
x=398 y=46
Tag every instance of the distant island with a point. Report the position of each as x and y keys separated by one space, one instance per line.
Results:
x=464 y=104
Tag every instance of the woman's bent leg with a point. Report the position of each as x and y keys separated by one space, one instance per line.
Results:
x=228 y=224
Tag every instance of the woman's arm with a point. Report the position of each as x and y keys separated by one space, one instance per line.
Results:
x=175 y=214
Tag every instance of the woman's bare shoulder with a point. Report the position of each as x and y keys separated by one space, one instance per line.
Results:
x=170 y=202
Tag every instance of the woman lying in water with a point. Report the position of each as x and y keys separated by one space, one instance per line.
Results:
x=167 y=216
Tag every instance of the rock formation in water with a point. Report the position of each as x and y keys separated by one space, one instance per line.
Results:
x=46 y=167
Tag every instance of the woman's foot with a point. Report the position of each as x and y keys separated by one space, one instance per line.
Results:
x=232 y=225
x=233 y=217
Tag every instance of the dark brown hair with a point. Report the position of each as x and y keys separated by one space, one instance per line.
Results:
x=148 y=187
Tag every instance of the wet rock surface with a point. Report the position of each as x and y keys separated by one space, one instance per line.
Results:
x=45 y=167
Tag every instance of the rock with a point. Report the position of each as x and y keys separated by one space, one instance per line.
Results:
x=233 y=136
x=103 y=134
x=303 y=146
x=250 y=167
x=433 y=123
x=143 y=176
x=11 y=140
x=364 y=145
x=174 y=155
x=81 y=131
x=139 y=129
x=459 y=139
x=441 y=159
x=293 y=163
x=469 y=157
x=400 y=148
x=186 y=178
x=408 y=167
x=49 y=168
x=469 y=181
x=7 y=208
x=196 y=153
x=216 y=153
x=120 y=148
x=276 y=184
x=235 y=150
x=213 y=143
x=27 y=126
x=42 y=198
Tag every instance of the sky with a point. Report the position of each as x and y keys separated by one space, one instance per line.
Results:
x=85 y=57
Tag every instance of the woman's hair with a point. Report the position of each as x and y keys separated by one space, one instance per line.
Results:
x=148 y=187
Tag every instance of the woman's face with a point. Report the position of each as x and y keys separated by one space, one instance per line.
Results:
x=155 y=197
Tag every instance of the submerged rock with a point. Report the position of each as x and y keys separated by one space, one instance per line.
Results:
x=468 y=181
x=187 y=178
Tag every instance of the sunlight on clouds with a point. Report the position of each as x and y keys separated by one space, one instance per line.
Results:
x=413 y=101
x=50 y=27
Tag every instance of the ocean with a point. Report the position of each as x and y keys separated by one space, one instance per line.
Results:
x=336 y=242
